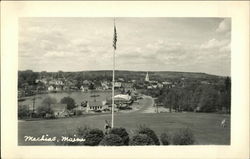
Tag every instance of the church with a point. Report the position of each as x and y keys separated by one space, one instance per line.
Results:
x=147 y=77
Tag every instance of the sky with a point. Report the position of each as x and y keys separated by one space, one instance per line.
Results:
x=143 y=44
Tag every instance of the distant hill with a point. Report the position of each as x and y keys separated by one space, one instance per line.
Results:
x=153 y=75
x=129 y=75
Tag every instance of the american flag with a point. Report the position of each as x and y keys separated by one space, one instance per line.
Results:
x=115 y=38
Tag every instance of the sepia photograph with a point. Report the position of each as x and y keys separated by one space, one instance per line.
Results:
x=124 y=81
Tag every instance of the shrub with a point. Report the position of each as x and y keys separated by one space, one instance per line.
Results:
x=165 y=138
x=183 y=137
x=150 y=133
x=122 y=133
x=111 y=140
x=23 y=111
x=82 y=131
x=93 y=137
x=141 y=139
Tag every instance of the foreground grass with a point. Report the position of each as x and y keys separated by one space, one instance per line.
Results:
x=205 y=126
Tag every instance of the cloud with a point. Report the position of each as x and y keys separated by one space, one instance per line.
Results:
x=215 y=44
x=225 y=48
x=224 y=26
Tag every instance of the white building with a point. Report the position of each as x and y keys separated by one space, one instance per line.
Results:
x=95 y=106
x=51 y=88
x=118 y=84
x=147 y=77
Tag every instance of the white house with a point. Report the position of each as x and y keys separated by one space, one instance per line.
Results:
x=95 y=106
x=104 y=85
x=84 y=88
x=166 y=83
x=159 y=85
x=149 y=87
x=51 y=88
x=118 y=84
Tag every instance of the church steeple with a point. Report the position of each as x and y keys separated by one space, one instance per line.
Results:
x=147 y=77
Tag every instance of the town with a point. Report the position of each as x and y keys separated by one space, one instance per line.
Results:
x=128 y=91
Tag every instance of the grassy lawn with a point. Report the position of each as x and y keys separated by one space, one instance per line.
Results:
x=206 y=127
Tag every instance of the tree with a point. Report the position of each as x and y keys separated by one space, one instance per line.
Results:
x=23 y=111
x=208 y=100
x=171 y=99
x=228 y=94
x=91 y=86
x=27 y=76
x=69 y=101
x=45 y=107
x=48 y=101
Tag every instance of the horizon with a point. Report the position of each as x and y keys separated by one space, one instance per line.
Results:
x=146 y=44
x=123 y=70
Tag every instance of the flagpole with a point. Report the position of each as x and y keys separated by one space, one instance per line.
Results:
x=113 y=88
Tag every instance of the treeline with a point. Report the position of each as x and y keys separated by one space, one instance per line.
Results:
x=29 y=76
x=195 y=97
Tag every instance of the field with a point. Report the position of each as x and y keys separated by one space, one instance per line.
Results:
x=206 y=127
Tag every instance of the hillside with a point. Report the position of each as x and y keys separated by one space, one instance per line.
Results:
x=154 y=75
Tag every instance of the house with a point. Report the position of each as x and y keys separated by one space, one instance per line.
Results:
x=95 y=105
x=159 y=85
x=60 y=110
x=84 y=88
x=133 y=81
x=205 y=82
x=52 y=82
x=51 y=88
x=104 y=85
x=118 y=84
x=59 y=88
x=59 y=82
x=128 y=87
x=149 y=87
x=121 y=79
x=154 y=85
x=121 y=99
x=166 y=83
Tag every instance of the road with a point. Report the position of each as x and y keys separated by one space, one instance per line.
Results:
x=146 y=103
